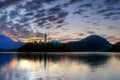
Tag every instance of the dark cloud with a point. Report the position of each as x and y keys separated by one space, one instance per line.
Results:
x=63 y=14
x=47 y=1
x=17 y=25
x=3 y=18
x=3 y=27
x=40 y=23
x=60 y=20
x=106 y=17
x=52 y=18
x=39 y=15
x=48 y=27
x=110 y=37
x=26 y=25
x=24 y=20
x=70 y=39
x=33 y=5
x=29 y=14
x=79 y=11
x=85 y=16
x=111 y=2
x=95 y=23
x=41 y=11
x=97 y=6
x=58 y=26
x=110 y=14
x=111 y=27
x=91 y=32
x=37 y=20
x=108 y=9
x=74 y=1
x=65 y=5
x=40 y=34
x=86 y=6
x=23 y=15
x=115 y=17
x=88 y=22
x=103 y=11
x=13 y=14
x=54 y=10
x=8 y=2
x=80 y=34
x=15 y=29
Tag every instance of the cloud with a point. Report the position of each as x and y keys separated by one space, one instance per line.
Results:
x=52 y=18
x=105 y=10
x=39 y=15
x=108 y=10
x=24 y=20
x=5 y=3
x=65 y=5
x=48 y=25
x=74 y=1
x=3 y=18
x=63 y=14
x=56 y=33
x=58 y=26
x=60 y=20
x=78 y=34
x=111 y=27
x=91 y=32
x=42 y=10
x=65 y=28
x=33 y=5
x=54 y=10
x=79 y=11
x=111 y=2
x=110 y=14
x=86 y=5
x=29 y=14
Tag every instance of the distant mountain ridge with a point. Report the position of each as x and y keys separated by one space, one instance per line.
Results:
x=90 y=43
x=8 y=44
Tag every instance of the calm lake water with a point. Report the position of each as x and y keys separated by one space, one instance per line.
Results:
x=60 y=66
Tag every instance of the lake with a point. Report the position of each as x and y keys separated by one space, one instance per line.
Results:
x=60 y=66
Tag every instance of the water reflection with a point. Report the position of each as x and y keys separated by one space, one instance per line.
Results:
x=59 y=66
x=93 y=60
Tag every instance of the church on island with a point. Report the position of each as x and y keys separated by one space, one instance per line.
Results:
x=35 y=38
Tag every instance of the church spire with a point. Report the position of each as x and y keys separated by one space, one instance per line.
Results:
x=45 y=38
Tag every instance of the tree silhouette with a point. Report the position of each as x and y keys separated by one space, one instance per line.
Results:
x=43 y=47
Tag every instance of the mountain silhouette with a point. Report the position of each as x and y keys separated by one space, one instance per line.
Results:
x=117 y=44
x=90 y=43
x=8 y=44
x=114 y=48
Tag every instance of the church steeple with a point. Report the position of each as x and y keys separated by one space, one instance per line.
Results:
x=45 y=38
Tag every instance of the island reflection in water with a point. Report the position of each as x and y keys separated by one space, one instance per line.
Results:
x=60 y=66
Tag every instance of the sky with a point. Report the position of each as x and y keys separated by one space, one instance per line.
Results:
x=64 y=20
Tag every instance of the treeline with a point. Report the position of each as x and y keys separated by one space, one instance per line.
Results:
x=113 y=48
x=43 y=47
x=58 y=47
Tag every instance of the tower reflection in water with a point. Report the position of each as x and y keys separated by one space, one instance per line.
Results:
x=59 y=66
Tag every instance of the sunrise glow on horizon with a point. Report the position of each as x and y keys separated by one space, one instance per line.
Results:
x=64 y=20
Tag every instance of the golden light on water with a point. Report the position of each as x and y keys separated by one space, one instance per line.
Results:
x=62 y=67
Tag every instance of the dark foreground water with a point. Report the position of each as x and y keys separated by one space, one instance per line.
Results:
x=60 y=66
